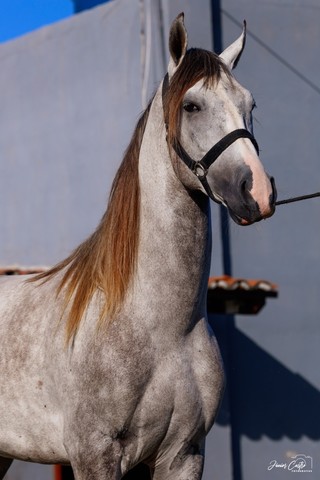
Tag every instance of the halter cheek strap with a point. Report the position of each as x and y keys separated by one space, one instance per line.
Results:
x=200 y=168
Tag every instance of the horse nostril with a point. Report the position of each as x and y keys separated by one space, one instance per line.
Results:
x=243 y=188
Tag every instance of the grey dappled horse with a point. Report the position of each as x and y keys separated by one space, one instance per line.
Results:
x=107 y=360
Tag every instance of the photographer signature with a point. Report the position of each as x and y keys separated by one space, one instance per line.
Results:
x=299 y=463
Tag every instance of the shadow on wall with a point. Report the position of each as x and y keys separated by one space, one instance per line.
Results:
x=268 y=398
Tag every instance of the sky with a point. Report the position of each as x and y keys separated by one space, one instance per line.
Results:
x=18 y=17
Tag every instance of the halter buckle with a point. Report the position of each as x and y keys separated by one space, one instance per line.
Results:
x=200 y=171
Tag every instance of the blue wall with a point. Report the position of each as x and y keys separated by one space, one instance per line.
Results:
x=80 y=5
x=21 y=17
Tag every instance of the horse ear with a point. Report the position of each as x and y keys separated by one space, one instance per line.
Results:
x=178 y=42
x=231 y=55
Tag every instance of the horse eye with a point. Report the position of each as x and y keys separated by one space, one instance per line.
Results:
x=191 y=107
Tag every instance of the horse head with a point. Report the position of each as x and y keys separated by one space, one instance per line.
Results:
x=208 y=117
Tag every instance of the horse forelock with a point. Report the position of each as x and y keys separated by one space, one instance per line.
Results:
x=107 y=259
x=197 y=64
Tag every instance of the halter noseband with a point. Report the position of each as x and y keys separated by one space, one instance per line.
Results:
x=200 y=168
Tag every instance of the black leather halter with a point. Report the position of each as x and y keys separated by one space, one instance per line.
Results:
x=200 y=168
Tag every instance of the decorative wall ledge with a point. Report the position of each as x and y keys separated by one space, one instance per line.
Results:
x=229 y=295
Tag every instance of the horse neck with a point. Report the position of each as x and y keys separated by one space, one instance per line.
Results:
x=175 y=240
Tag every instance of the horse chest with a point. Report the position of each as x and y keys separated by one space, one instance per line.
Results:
x=194 y=375
x=181 y=400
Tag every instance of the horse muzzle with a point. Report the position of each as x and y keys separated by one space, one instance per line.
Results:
x=245 y=209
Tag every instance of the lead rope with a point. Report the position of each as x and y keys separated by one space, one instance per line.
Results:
x=297 y=199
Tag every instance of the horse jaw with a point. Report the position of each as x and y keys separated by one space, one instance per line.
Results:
x=231 y=55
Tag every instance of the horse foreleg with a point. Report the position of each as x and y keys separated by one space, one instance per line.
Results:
x=90 y=468
x=187 y=464
x=96 y=462
x=4 y=466
x=98 y=471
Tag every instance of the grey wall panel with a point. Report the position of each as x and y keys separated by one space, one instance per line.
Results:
x=277 y=353
x=70 y=99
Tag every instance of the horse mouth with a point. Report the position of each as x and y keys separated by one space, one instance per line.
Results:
x=240 y=220
x=245 y=221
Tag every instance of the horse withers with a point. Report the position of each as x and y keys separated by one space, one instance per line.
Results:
x=107 y=360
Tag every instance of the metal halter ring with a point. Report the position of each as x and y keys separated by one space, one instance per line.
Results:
x=200 y=171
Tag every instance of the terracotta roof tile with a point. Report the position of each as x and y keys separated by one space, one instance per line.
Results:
x=229 y=295
x=231 y=283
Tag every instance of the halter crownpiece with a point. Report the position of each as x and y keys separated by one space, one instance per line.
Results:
x=200 y=168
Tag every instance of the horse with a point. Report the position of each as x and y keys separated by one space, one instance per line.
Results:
x=107 y=359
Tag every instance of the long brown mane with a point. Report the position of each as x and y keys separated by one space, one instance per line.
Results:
x=107 y=259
